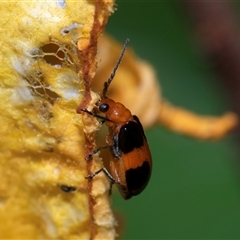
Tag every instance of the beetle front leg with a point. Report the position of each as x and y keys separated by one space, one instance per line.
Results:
x=95 y=115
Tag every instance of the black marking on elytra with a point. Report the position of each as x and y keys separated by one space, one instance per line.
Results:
x=130 y=137
x=137 y=178
x=124 y=191
x=140 y=125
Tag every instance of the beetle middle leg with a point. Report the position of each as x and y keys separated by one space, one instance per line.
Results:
x=90 y=155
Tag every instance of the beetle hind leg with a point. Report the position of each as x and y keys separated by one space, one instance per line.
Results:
x=100 y=170
x=112 y=180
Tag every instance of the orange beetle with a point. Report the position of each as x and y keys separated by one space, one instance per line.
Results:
x=131 y=163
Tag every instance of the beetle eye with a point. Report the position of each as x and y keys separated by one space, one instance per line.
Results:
x=103 y=107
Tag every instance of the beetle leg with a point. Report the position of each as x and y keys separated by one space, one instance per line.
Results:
x=95 y=115
x=112 y=180
x=90 y=155
x=110 y=188
x=90 y=176
x=108 y=175
x=100 y=170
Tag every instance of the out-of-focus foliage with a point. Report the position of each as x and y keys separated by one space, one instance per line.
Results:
x=194 y=191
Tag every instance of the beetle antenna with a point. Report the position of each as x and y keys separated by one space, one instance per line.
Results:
x=108 y=82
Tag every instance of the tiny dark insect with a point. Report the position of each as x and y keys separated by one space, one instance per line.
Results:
x=67 y=188
x=131 y=163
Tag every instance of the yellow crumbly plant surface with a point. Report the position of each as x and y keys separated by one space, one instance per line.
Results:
x=47 y=59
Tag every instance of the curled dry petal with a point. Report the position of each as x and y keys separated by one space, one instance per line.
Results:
x=136 y=86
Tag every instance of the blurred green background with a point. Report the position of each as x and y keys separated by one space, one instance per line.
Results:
x=194 y=192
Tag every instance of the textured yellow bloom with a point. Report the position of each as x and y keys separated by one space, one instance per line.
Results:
x=42 y=140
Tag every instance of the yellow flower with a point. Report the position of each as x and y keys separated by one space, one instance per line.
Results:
x=48 y=51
